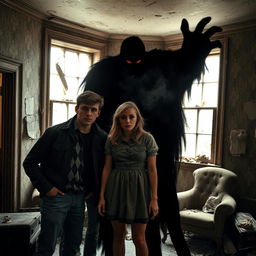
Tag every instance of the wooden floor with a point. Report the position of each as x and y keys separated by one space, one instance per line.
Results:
x=198 y=246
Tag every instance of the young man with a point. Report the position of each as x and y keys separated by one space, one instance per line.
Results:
x=65 y=165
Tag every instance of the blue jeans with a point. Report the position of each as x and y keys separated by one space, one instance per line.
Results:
x=61 y=213
x=92 y=233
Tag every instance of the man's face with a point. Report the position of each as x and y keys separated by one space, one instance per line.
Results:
x=87 y=114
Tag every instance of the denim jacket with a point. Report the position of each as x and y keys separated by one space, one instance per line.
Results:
x=48 y=162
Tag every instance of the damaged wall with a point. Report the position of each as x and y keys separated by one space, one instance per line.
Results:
x=22 y=40
x=240 y=108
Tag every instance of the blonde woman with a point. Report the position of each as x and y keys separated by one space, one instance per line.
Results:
x=129 y=179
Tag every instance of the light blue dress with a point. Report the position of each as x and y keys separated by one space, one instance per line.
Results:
x=128 y=191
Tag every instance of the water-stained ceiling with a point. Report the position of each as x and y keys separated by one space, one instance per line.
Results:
x=145 y=17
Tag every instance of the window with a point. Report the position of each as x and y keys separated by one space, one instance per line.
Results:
x=69 y=65
x=68 y=56
x=203 y=115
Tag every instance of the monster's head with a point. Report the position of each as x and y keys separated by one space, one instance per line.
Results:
x=132 y=50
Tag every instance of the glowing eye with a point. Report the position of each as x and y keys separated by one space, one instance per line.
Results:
x=138 y=61
x=128 y=61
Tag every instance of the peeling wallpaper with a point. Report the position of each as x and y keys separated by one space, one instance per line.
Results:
x=241 y=90
x=21 y=38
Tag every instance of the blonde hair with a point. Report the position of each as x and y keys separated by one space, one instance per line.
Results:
x=116 y=130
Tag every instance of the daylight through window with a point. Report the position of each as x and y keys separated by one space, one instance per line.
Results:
x=68 y=67
x=201 y=112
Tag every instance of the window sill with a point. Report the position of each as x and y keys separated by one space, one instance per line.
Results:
x=187 y=166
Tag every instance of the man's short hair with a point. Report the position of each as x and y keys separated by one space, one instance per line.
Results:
x=90 y=98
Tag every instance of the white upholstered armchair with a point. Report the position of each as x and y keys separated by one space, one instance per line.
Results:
x=205 y=208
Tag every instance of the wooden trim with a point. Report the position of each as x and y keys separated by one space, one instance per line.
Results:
x=10 y=185
x=175 y=40
x=221 y=102
x=238 y=27
x=148 y=39
x=214 y=136
x=76 y=39
x=193 y=166
x=44 y=104
x=60 y=23
x=50 y=34
x=1 y=113
x=23 y=8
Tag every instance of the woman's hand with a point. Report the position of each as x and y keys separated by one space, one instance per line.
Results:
x=153 y=208
x=101 y=207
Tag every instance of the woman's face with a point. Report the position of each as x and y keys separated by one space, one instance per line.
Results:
x=128 y=120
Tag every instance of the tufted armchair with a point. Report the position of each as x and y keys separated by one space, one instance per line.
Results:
x=200 y=214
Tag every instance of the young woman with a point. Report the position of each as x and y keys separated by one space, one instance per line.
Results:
x=129 y=179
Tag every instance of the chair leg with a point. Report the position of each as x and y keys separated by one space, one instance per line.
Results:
x=219 y=248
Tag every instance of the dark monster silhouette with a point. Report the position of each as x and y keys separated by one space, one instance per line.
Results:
x=156 y=81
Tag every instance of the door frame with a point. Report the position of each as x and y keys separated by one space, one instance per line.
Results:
x=12 y=127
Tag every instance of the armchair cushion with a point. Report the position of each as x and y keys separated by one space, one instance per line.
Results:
x=197 y=218
x=211 y=203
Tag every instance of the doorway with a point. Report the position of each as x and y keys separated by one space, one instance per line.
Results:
x=10 y=134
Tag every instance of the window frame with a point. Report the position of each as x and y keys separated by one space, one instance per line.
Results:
x=77 y=49
x=13 y=127
x=219 y=135
x=68 y=103
x=197 y=133
x=95 y=45
x=218 y=127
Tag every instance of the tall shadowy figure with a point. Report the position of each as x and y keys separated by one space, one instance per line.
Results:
x=156 y=81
